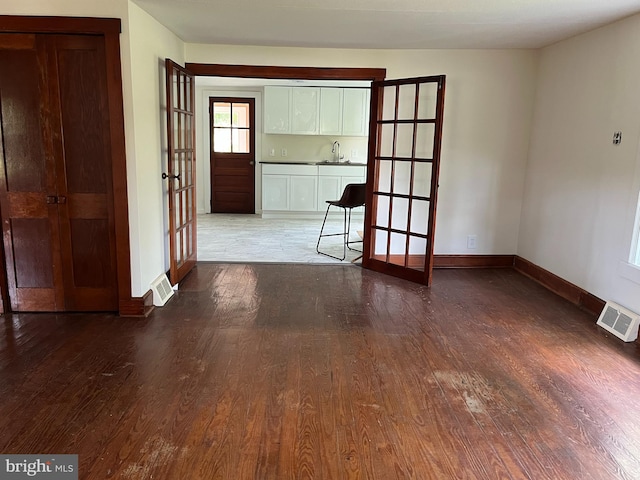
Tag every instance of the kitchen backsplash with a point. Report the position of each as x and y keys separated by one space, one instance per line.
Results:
x=312 y=147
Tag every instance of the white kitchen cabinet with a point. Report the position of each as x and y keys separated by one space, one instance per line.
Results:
x=289 y=187
x=316 y=111
x=305 y=188
x=305 y=110
x=302 y=193
x=355 y=112
x=277 y=109
x=331 y=111
x=329 y=188
x=333 y=178
x=275 y=192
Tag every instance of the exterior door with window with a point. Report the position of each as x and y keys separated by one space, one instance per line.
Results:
x=402 y=188
x=181 y=173
x=232 y=122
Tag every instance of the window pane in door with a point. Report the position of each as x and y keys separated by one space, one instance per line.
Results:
x=406 y=102
x=240 y=115
x=422 y=179
x=400 y=213
x=382 y=218
x=222 y=140
x=402 y=178
x=404 y=140
x=389 y=103
x=425 y=134
x=221 y=114
x=427 y=97
x=240 y=141
x=384 y=176
x=419 y=217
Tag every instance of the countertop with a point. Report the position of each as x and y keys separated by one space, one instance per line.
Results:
x=312 y=162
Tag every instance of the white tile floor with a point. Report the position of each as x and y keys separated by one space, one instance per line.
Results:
x=251 y=238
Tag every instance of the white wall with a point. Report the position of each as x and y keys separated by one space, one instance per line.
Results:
x=488 y=110
x=151 y=43
x=581 y=190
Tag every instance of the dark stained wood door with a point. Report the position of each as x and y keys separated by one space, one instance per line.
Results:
x=56 y=195
x=402 y=188
x=232 y=124
x=181 y=174
x=27 y=185
x=81 y=146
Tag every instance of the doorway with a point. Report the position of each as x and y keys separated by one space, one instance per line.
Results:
x=233 y=156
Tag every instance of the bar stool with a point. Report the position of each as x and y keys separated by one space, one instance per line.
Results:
x=352 y=197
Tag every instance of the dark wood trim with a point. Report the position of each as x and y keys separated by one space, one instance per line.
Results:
x=137 y=306
x=473 y=261
x=560 y=286
x=284 y=73
x=119 y=165
x=75 y=25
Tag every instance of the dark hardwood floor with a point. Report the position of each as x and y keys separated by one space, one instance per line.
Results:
x=327 y=372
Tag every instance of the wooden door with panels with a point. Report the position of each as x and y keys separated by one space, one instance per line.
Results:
x=56 y=189
x=233 y=158
x=402 y=181
x=181 y=171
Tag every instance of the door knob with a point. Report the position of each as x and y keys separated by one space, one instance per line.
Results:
x=252 y=162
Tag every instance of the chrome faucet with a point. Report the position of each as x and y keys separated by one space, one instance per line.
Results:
x=335 y=149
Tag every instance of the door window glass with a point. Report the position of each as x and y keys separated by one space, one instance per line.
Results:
x=231 y=127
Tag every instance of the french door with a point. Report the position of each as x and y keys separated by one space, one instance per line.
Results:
x=233 y=156
x=402 y=187
x=181 y=172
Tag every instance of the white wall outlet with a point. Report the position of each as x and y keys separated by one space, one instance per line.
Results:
x=354 y=153
x=283 y=152
x=272 y=152
x=471 y=241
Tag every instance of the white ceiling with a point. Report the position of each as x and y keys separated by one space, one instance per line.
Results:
x=385 y=23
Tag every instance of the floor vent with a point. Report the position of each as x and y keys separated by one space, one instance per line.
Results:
x=621 y=322
x=162 y=290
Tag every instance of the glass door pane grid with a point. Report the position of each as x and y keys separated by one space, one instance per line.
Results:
x=232 y=136
x=391 y=194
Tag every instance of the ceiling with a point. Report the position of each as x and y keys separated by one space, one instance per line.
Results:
x=385 y=23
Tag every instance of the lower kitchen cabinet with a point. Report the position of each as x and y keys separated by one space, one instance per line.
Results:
x=305 y=188
x=302 y=193
x=275 y=192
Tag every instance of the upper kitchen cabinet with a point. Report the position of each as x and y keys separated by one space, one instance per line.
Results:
x=355 y=112
x=331 y=111
x=344 y=111
x=316 y=111
x=305 y=111
x=277 y=109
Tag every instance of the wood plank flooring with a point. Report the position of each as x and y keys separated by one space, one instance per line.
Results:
x=327 y=372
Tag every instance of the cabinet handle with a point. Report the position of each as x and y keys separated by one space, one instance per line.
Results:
x=252 y=162
x=175 y=177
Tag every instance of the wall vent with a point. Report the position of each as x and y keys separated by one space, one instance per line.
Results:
x=162 y=290
x=621 y=322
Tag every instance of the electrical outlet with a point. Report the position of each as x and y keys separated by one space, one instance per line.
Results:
x=354 y=153
x=283 y=152
x=471 y=241
x=272 y=152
